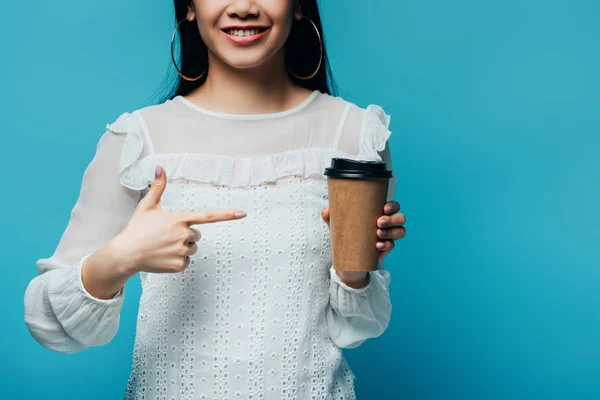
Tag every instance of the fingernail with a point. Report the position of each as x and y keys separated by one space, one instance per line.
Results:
x=157 y=172
x=240 y=214
x=380 y=245
x=383 y=232
x=387 y=209
x=383 y=224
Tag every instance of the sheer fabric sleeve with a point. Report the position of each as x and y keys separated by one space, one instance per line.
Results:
x=355 y=315
x=59 y=313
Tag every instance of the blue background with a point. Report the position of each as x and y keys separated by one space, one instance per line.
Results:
x=495 y=121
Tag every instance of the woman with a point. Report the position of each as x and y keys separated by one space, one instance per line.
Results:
x=247 y=305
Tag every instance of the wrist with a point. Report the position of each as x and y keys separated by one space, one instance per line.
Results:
x=100 y=275
x=353 y=279
x=122 y=257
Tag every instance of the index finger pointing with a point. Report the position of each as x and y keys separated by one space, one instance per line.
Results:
x=209 y=216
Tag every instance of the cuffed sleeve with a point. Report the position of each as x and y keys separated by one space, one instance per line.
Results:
x=355 y=315
x=88 y=320
x=73 y=319
x=59 y=313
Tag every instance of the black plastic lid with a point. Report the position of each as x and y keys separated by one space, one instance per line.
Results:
x=347 y=168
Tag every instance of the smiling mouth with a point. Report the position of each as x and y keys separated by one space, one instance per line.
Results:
x=243 y=32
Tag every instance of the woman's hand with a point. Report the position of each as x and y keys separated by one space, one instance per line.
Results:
x=154 y=240
x=162 y=241
x=391 y=228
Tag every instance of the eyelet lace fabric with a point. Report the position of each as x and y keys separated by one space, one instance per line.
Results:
x=260 y=312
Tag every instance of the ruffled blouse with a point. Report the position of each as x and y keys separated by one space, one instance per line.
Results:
x=260 y=312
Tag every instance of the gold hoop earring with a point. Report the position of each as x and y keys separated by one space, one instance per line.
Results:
x=305 y=78
x=173 y=56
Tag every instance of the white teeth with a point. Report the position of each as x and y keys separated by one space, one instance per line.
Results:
x=243 y=32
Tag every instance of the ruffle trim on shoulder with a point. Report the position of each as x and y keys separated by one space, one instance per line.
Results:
x=374 y=133
x=128 y=124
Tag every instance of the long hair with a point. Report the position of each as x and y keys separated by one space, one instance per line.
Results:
x=301 y=52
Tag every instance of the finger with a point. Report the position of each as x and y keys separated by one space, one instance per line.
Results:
x=394 y=233
x=397 y=219
x=152 y=198
x=391 y=207
x=388 y=247
x=186 y=249
x=325 y=214
x=207 y=216
x=192 y=249
x=384 y=245
x=195 y=235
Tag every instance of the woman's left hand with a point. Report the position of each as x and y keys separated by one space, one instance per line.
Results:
x=390 y=224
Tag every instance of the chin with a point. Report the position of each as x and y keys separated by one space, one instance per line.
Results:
x=245 y=61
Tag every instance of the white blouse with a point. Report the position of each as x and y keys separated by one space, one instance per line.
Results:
x=260 y=312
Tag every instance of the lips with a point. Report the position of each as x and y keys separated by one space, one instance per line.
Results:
x=244 y=35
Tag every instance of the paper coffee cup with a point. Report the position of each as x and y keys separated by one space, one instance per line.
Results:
x=357 y=192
